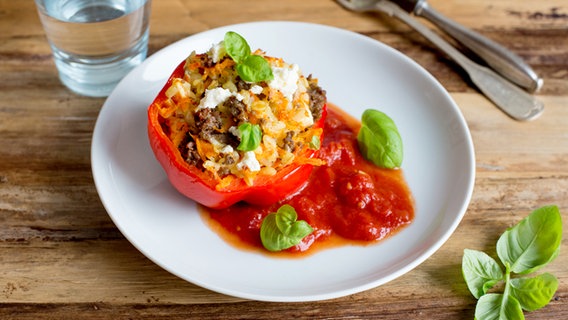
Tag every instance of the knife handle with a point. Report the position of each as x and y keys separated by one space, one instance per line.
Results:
x=513 y=100
x=498 y=57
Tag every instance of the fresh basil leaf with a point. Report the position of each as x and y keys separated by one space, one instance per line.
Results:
x=480 y=271
x=534 y=293
x=285 y=217
x=236 y=46
x=533 y=242
x=379 y=140
x=495 y=306
x=251 y=68
x=281 y=230
x=529 y=245
x=250 y=136
x=315 y=143
x=254 y=68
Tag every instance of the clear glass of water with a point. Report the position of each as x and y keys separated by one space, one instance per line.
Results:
x=95 y=43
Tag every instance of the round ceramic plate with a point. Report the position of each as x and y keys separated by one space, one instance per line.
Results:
x=358 y=73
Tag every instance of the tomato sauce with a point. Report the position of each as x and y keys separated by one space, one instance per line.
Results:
x=348 y=200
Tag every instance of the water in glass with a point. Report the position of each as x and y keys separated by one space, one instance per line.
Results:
x=95 y=43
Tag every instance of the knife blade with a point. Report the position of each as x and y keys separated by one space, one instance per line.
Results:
x=504 y=61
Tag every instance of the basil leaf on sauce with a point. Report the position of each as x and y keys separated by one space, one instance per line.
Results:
x=250 y=136
x=282 y=230
x=251 y=68
x=379 y=140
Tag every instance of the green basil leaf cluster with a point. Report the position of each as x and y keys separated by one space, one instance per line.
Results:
x=251 y=68
x=251 y=135
x=282 y=230
x=379 y=140
x=524 y=248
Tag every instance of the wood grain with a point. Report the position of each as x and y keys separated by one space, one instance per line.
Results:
x=61 y=256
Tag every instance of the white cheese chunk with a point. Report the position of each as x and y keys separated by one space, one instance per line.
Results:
x=285 y=80
x=214 y=97
x=235 y=131
x=217 y=52
x=249 y=161
x=256 y=89
x=227 y=149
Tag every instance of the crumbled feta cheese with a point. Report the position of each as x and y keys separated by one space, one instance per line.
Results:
x=214 y=97
x=227 y=149
x=235 y=131
x=218 y=51
x=249 y=161
x=285 y=80
x=256 y=89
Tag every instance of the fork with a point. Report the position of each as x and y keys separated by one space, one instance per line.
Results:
x=511 y=99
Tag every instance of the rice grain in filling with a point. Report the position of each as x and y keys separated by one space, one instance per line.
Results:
x=205 y=108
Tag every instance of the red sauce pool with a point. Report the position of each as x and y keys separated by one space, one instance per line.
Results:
x=347 y=201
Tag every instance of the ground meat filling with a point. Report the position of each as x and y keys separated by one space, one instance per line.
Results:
x=317 y=98
x=238 y=110
x=242 y=85
x=207 y=61
x=289 y=144
x=209 y=121
x=189 y=150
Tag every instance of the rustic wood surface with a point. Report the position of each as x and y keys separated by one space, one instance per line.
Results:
x=61 y=257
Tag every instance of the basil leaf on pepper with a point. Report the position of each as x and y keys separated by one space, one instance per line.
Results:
x=250 y=136
x=236 y=46
x=254 y=69
x=379 y=140
x=251 y=68
x=281 y=230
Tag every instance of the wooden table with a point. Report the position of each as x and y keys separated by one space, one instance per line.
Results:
x=61 y=257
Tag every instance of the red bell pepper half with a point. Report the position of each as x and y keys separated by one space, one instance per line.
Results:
x=201 y=186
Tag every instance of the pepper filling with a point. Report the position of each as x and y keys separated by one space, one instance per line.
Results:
x=205 y=110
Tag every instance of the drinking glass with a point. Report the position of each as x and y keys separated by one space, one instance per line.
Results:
x=95 y=43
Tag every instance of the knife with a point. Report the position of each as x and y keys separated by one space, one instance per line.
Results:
x=510 y=98
x=498 y=57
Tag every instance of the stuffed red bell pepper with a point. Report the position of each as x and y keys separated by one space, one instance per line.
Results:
x=228 y=127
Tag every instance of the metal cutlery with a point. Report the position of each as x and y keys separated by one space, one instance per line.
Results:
x=507 y=63
x=511 y=99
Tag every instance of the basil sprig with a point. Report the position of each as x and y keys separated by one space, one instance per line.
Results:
x=251 y=68
x=281 y=230
x=524 y=248
x=251 y=135
x=379 y=140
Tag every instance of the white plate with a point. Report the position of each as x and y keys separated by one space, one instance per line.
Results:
x=358 y=73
